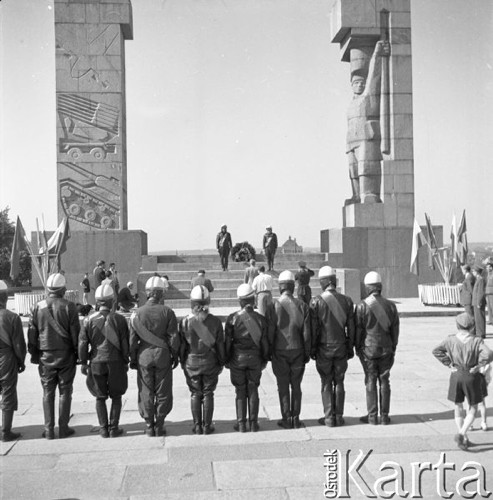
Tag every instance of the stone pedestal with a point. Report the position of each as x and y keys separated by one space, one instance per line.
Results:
x=85 y=248
x=91 y=122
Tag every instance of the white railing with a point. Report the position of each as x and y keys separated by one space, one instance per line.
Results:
x=439 y=294
x=24 y=301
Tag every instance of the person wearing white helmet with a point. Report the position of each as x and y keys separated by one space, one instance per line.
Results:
x=290 y=345
x=202 y=357
x=104 y=356
x=247 y=353
x=224 y=244
x=12 y=362
x=154 y=352
x=53 y=335
x=304 y=292
x=269 y=244
x=377 y=335
x=333 y=330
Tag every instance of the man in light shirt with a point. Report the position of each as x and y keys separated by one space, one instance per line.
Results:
x=262 y=284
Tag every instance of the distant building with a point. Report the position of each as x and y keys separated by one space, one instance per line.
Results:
x=290 y=246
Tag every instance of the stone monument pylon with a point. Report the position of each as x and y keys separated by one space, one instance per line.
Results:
x=375 y=39
x=91 y=142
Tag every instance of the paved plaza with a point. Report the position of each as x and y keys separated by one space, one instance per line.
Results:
x=270 y=464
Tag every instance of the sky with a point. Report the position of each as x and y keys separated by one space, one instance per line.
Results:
x=236 y=114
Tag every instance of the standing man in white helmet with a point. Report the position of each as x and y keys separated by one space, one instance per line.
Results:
x=154 y=351
x=53 y=336
x=247 y=353
x=269 y=244
x=333 y=330
x=377 y=335
x=202 y=357
x=290 y=346
x=104 y=343
x=12 y=358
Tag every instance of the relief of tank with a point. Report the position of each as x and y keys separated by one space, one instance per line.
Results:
x=93 y=201
x=88 y=127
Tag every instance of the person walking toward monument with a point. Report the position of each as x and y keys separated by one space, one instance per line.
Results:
x=262 y=285
x=154 y=353
x=224 y=244
x=12 y=362
x=104 y=356
x=303 y=278
x=99 y=273
x=466 y=290
x=251 y=272
x=377 y=335
x=465 y=354
x=290 y=344
x=202 y=357
x=247 y=353
x=363 y=133
x=201 y=280
x=269 y=244
x=479 y=301
x=333 y=335
x=489 y=291
x=53 y=335
x=86 y=289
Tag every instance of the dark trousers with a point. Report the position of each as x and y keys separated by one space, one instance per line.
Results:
x=8 y=381
x=332 y=372
x=155 y=385
x=269 y=255
x=378 y=370
x=224 y=255
x=489 y=303
x=245 y=373
x=289 y=368
x=480 y=321
x=305 y=293
x=107 y=379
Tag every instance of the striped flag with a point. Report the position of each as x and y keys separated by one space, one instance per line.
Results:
x=419 y=240
x=462 y=248
x=18 y=245
x=453 y=240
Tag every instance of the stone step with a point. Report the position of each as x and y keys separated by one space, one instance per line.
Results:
x=280 y=265
x=213 y=258
x=216 y=274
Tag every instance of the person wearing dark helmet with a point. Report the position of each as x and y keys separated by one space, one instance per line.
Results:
x=333 y=331
x=247 y=353
x=154 y=352
x=104 y=354
x=377 y=335
x=465 y=354
x=202 y=357
x=12 y=362
x=53 y=335
x=290 y=346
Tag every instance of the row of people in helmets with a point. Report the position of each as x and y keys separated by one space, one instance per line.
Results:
x=291 y=333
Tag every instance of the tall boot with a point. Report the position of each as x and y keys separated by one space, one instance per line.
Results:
x=285 y=406
x=150 y=429
x=208 y=412
x=372 y=404
x=327 y=401
x=385 y=404
x=241 y=411
x=102 y=414
x=7 y=434
x=49 y=414
x=340 y=396
x=116 y=409
x=196 y=407
x=296 y=409
x=64 y=402
x=253 y=404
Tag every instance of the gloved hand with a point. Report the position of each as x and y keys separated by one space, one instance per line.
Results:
x=35 y=359
x=133 y=365
x=84 y=369
x=175 y=362
x=21 y=368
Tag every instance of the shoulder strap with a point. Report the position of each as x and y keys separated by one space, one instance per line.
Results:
x=252 y=326
x=335 y=308
x=52 y=321
x=110 y=333
x=146 y=334
x=295 y=315
x=202 y=331
x=379 y=312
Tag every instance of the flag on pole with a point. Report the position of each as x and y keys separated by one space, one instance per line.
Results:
x=453 y=240
x=462 y=248
x=432 y=245
x=18 y=245
x=57 y=244
x=419 y=240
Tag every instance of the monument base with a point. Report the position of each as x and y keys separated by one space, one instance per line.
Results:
x=386 y=250
x=85 y=248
